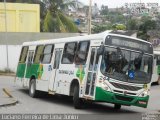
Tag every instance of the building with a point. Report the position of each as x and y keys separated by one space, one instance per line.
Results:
x=19 y=17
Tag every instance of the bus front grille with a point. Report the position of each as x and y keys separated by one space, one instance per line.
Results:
x=123 y=98
x=125 y=87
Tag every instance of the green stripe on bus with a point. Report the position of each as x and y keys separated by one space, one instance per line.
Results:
x=20 y=70
x=32 y=70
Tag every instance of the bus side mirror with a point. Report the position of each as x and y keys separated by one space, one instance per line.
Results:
x=100 y=50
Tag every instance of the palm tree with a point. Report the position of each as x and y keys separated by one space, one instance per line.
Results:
x=56 y=20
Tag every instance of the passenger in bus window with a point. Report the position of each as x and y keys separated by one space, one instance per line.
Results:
x=137 y=65
x=109 y=63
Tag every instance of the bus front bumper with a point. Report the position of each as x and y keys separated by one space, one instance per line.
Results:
x=105 y=96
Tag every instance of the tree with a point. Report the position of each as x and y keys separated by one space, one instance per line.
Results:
x=56 y=17
x=132 y=24
x=146 y=26
x=158 y=22
x=119 y=27
x=101 y=28
x=104 y=10
x=115 y=17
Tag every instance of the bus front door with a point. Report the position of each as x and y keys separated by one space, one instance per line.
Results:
x=92 y=73
x=56 y=61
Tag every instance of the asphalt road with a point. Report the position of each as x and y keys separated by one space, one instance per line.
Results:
x=48 y=104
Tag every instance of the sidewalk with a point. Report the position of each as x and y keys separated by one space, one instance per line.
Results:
x=7 y=74
x=6 y=99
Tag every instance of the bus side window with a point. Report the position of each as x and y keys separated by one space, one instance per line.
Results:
x=82 y=52
x=23 y=55
x=39 y=51
x=30 y=57
x=47 y=54
x=69 y=53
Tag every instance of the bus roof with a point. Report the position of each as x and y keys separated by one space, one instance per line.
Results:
x=99 y=36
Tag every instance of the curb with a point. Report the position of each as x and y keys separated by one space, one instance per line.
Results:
x=9 y=104
x=7 y=74
x=10 y=96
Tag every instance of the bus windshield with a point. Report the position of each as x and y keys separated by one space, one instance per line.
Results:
x=126 y=65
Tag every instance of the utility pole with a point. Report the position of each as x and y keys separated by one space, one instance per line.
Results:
x=140 y=7
x=6 y=34
x=89 y=16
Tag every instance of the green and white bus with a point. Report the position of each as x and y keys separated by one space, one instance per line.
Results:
x=101 y=67
x=156 y=68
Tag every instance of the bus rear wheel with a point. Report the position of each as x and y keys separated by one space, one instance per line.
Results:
x=32 y=88
x=77 y=102
x=117 y=106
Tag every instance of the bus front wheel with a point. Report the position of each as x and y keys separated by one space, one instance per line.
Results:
x=117 y=106
x=32 y=88
x=76 y=100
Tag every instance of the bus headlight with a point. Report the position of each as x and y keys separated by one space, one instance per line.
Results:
x=144 y=93
x=105 y=86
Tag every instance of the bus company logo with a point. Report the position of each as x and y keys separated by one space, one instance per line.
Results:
x=40 y=71
x=49 y=68
x=80 y=73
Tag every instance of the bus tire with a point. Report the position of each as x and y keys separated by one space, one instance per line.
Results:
x=32 y=88
x=117 y=106
x=77 y=102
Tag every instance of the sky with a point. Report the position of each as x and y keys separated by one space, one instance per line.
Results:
x=117 y=3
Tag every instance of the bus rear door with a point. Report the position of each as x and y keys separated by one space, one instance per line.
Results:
x=28 y=69
x=56 y=61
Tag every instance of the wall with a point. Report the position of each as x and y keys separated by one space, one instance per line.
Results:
x=16 y=38
x=20 y=17
x=13 y=56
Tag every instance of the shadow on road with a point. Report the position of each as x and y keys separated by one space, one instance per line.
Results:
x=96 y=107
x=154 y=84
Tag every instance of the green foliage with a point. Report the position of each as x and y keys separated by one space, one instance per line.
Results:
x=132 y=24
x=143 y=35
x=101 y=28
x=48 y=22
x=145 y=18
x=57 y=18
x=158 y=22
x=119 y=27
x=145 y=26
x=104 y=10
x=115 y=18
x=68 y=23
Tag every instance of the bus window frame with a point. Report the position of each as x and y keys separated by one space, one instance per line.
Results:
x=86 y=53
x=21 y=55
x=65 y=48
x=36 y=54
x=42 y=55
